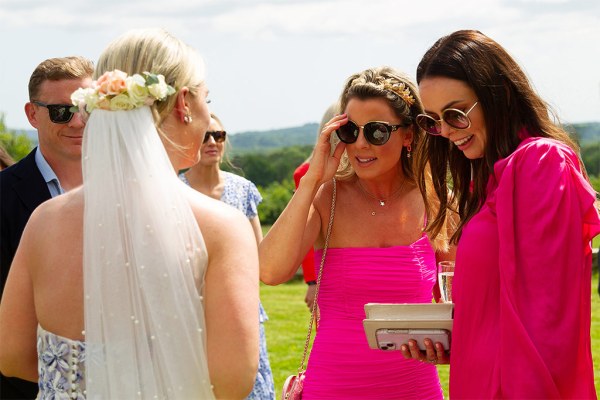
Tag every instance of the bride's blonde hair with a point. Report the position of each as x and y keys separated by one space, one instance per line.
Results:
x=158 y=52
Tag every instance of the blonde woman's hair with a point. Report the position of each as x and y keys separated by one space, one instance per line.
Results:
x=158 y=52
x=376 y=83
x=226 y=147
x=332 y=111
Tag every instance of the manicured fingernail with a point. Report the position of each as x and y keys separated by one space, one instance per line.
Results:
x=404 y=348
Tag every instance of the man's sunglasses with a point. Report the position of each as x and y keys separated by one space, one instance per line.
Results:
x=218 y=136
x=457 y=119
x=59 y=113
x=376 y=132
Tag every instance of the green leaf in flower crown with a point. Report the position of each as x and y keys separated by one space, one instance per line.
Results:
x=151 y=79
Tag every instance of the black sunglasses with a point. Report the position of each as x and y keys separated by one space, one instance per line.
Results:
x=59 y=113
x=218 y=136
x=376 y=132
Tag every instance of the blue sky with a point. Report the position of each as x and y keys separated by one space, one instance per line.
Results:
x=275 y=64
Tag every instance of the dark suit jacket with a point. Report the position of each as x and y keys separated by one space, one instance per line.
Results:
x=22 y=189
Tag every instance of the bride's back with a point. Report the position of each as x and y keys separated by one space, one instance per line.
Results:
x=56 y=271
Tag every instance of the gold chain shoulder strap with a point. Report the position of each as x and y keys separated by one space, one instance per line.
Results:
x=314 y=306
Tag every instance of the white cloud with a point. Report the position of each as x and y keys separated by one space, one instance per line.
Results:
x=281 y=62
x=379 y=19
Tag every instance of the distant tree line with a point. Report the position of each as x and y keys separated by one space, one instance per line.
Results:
x=272 y=172
x=271 y=169
x=266 y=141
x=590 y=154
x=18 y=145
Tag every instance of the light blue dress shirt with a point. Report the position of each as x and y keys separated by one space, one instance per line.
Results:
x=48 y=174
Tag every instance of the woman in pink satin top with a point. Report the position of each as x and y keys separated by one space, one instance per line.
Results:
x=522 y=287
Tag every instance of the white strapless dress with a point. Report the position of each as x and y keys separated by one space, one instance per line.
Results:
x=61 y=366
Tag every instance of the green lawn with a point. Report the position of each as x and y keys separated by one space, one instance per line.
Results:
x=288 y=323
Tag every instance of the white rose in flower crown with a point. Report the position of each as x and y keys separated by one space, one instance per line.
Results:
x=78 y=98
x=121 y=102
x=136 y=88
x=159 y=90
x=91 y=99
x=85 y=99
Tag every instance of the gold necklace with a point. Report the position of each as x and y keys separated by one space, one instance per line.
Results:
x=382 y=202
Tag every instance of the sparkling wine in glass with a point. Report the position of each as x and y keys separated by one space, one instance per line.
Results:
x=445 y=276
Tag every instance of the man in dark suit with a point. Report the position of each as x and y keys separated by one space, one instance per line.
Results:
x=49 y=170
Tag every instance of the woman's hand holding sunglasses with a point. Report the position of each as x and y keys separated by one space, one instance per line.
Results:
x=324 y=164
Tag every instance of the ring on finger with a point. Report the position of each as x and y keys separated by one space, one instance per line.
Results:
x=433 y=361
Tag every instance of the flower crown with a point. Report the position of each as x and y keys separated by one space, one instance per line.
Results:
x=115 y=91
x=400 y=89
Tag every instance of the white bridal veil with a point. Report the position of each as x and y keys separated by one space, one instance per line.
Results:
x=144 y=265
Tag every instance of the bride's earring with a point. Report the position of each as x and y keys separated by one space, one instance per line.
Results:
x=408 y=150
x=187 y=118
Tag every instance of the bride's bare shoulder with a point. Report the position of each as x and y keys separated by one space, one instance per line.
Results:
x=63 y=208
x=214 y=213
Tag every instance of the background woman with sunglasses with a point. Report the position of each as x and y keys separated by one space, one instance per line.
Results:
x=377 y=249
x=522 y=282
x=207 y=178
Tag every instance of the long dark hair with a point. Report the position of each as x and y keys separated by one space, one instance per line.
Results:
x=509 y=104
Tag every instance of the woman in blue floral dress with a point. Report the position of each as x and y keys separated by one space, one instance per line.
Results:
x=207 y=178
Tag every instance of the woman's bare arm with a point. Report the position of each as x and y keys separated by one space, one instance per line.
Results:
x=231 y=302
x=298 y=226
x=18 y=321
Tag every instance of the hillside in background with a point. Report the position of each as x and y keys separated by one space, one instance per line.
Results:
x=261 y=141
x=268 y=158
x=586 y=133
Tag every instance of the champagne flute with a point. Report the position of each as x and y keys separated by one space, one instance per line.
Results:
x=445 y=276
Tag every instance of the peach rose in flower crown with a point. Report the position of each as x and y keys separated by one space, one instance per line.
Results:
x=112 y=83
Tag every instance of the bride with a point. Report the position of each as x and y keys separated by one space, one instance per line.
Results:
x=124 y=283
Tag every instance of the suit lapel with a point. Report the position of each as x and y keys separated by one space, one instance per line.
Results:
x=31 y=186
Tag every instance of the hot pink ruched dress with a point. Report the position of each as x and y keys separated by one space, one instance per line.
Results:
x=341 y=364
x=522 y=285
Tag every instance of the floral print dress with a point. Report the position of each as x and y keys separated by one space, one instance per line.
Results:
x=61 y=367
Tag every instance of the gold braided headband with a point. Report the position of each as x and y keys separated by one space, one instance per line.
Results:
x=400 y=89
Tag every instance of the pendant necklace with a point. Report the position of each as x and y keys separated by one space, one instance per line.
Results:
x=382 y=202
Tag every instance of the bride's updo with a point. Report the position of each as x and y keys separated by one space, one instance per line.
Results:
x=158 y=52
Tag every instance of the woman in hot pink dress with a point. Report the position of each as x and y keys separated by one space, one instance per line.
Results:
x=522 y=286
x=377 y=249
